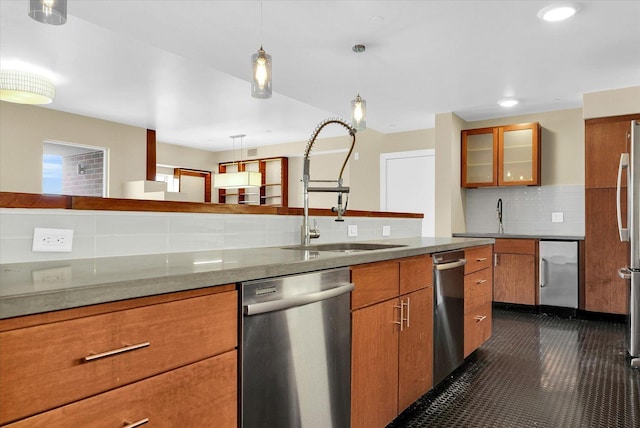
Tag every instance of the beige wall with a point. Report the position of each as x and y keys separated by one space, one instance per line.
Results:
x=185 y=157
x=615 y=102
x=562 y=143
x=24 y=128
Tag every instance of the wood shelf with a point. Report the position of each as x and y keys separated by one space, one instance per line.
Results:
x=274 y=172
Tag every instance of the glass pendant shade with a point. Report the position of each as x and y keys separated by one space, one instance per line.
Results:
x=237 y=180
x=52 y=12
x=261 y=74
x=25 y=88
x=359 y=113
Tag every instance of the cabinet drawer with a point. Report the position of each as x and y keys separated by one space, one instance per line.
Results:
x=516 y=246
x=478 y=288
x=477 y=328
x=46 y=367
x=478 y=258
x=374 y=282
x=202 y=394
x=415 y=273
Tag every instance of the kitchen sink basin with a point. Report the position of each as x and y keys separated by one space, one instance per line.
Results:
x=345 y=247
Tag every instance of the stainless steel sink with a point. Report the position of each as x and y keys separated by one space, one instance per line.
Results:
x=344 y=247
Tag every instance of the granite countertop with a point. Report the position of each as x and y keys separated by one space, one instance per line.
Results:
x=519 y=236
x=36 y=287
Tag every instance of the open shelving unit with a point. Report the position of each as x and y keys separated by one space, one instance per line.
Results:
x=274 y=190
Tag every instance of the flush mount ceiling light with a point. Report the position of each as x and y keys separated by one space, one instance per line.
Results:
x=508 y=102
x=237 y=179
x=358 y=105
x=558 y=12
x=261 y=70
x=52 y=12
x=23 y=87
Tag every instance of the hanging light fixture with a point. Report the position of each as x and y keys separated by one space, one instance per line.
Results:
x=52 y=12
x=23 y=87
x=359 y=105
x=261 y=70
x=238 y=179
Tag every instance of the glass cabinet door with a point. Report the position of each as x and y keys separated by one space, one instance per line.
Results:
x=519 y=155
x=479 y=157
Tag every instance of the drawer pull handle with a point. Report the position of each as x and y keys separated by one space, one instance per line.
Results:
x=479 y=318
x=136 y=424
x=481 y=259
x=481 y=281
x=115 y=352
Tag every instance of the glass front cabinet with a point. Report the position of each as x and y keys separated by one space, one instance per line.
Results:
x=501 y=156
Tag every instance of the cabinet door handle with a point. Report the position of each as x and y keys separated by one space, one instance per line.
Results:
x=479 y=318
x=407 y=319
x=401 y=322
x=495 y=259
x=481 y=281
x=94 y=357
x=481 y=259
x=136 y=424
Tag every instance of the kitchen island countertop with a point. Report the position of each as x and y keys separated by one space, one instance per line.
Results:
x=37 y=287
x=519 y=236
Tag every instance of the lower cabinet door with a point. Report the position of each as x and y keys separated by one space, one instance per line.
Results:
x=374 y=364
x=515 y=279
x=416 y=347
x=202 y=394
x=477 y=328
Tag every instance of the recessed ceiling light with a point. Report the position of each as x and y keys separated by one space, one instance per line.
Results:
x=508 y=102
x=558 y=12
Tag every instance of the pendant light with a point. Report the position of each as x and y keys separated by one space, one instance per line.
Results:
x=52 y=12
x=261 y=70
x=23 y=87
x=358 y=105
x=238 y=179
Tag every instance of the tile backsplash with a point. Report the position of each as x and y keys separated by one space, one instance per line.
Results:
x=120 y=233
x=526 y=210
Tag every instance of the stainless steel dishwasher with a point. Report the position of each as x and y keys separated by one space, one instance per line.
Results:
x=296 y=351
x=448 y=322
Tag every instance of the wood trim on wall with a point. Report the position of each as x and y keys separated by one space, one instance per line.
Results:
x=198 y=173
x=151 y=155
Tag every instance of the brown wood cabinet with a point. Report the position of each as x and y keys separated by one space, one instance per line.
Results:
x=274 y=190
x=392 y=338
x=605 y=140
x=501 y=156
x=478 y=282
x=515 y=271
x=50 y=364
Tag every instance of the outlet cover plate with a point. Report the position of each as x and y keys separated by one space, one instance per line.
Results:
x=386 y=230
x=557 y=217
x=52 y=240
x=352 y=230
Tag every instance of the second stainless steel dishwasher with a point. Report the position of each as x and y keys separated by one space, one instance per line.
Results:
x=448 y=322
x=296 y=351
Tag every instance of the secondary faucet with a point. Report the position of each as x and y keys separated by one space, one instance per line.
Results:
x=307 y=233
x=499 y=216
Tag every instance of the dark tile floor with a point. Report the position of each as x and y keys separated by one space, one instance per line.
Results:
x=537 y=371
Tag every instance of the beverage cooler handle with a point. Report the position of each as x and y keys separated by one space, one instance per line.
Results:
x=542 y=272
x=624 y=163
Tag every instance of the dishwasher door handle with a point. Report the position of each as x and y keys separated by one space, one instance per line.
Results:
x=452 y=265
x=291 y=302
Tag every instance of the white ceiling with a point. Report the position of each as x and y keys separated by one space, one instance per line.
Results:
x=182 y=67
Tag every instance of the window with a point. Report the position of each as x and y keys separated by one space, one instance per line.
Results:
x=73 y=169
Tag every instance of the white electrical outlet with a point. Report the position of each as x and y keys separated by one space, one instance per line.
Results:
x=352 y=230
x=557 y=217
x=386 y=230
x=54 y=240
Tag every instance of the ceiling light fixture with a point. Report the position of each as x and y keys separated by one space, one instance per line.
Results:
x=558 y=12
x=508 y=102
x=23 y=87
x=52 y=12
x=239 y=179
x=261 y=70
x=358 y=105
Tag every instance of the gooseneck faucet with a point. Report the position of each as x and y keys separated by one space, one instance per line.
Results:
x=499 y=216
x=306 y=232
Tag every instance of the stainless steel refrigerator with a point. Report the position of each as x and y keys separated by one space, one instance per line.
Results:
x=631 y=162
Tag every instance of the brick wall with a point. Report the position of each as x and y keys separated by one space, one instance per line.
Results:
x=88 y=181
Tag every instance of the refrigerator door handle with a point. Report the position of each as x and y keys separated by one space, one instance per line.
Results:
x=542 y=271
x=624 y=273
x=624 y=163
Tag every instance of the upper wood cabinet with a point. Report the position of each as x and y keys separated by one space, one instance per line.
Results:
x=274 y=189
x=501 y=156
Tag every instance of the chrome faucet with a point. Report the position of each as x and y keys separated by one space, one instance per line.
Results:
x=499 y=216
x=306 y=232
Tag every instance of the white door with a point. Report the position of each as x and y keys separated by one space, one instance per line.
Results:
x=407 y=184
